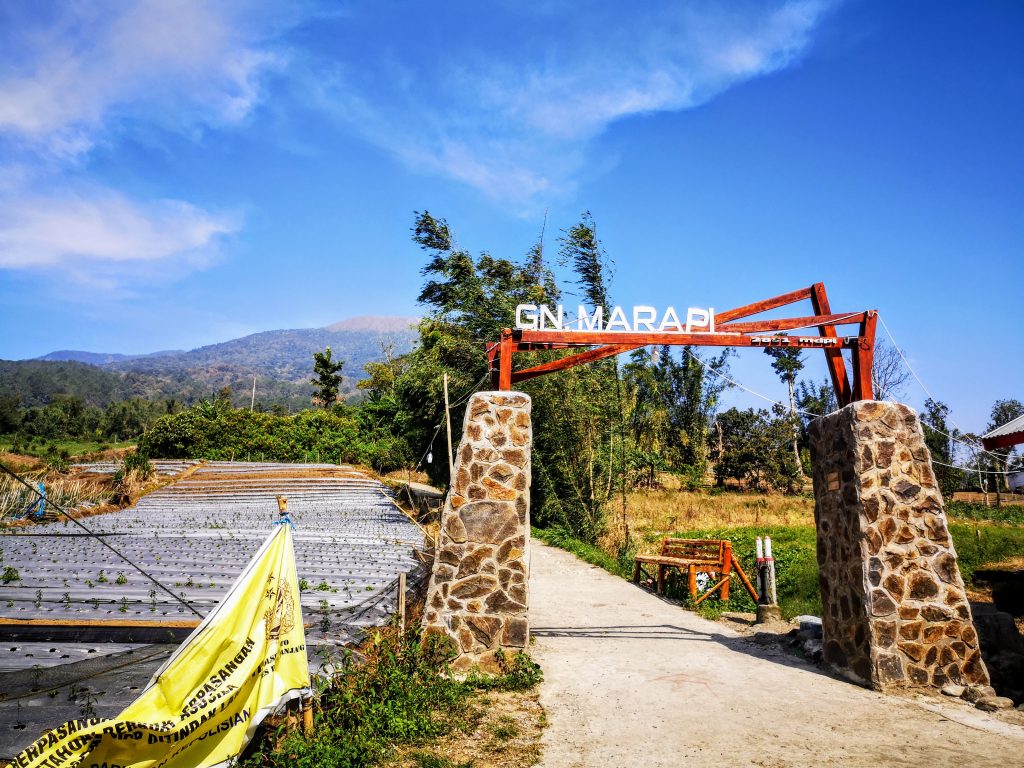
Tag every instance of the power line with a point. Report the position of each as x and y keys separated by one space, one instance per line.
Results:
x=100 y=539
x=818 y=416
x=974 y=446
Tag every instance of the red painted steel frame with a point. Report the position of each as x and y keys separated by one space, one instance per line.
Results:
x=758 y=333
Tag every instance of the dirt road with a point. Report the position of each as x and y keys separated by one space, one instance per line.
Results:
x=631 y=680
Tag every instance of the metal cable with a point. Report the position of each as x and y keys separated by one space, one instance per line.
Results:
x=818 y=416
x=100 y=539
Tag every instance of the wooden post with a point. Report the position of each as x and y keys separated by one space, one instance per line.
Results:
x=401 y=603
x=691 y=579
x=726 y=567
x=505 y=361
x=307 y=716
x=448 y=424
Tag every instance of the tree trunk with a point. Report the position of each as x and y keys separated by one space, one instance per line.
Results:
x=796 y=436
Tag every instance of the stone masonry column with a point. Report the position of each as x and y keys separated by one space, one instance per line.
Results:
x=478 y=592
x=895 y=611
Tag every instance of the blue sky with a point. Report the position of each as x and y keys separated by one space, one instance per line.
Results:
x=175 y=174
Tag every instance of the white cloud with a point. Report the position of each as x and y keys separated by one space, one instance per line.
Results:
x=515 y=120
x=100 y=232
x=179 y=62
x=76 y=75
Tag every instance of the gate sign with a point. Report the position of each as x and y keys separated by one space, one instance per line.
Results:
x=600 y=332
x=534 y=317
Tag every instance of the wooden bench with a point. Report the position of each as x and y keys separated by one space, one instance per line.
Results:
x=695 y=556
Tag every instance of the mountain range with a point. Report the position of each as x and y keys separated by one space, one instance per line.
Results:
x=280 y=360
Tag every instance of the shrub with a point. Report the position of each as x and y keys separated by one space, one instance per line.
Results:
x=396 y=690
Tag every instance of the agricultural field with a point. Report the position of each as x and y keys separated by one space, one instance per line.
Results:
x=198 y=532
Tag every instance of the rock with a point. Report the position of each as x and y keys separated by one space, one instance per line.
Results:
x=812 y=649
x=993 y=703
x=954 y=690
x=809 y=624
x=975 y=693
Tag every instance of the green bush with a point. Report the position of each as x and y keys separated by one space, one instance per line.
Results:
x=398 y=690
x=218 y=431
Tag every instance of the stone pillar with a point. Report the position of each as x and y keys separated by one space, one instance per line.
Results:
x=478 y=592
x=895 y=611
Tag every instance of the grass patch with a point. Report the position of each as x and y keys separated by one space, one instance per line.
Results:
x=981 y=545
x=397 y=691
x=965 y=510
x=44 y=448
x=995 y=536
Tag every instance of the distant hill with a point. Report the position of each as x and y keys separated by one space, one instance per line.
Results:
x=375 y=324
x=99 y=358
x=37 y=381
x=281 y=361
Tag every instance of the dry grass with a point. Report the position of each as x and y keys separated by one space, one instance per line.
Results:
x=504 y=732
x=68 y=491
x=656 y=513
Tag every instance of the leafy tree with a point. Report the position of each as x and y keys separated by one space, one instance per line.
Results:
x=582 y=251
x=326 y=378
x=755 y=449
x=787 y=362
x=10 y=414
x=939 y=438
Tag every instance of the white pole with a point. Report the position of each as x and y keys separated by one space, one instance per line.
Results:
x=771 y=570
x=252 y=403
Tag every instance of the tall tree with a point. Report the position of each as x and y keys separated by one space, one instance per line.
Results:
x=787 y=363
x=582 y=251
x=889 y=374
x=326 y=379
x=940 y=441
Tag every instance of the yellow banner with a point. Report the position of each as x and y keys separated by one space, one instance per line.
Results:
x=203 y=705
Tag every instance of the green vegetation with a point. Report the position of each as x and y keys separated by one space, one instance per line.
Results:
x=218 y=431
x=795 y=560
x=398 y=691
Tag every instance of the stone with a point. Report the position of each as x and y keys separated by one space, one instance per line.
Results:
x=484 y=628
x=496 y=490
x=454 y=529
x=881 y=603
x=975 y=693
x=516 y=633
x=477 y=585
x=945 y=568
x=915 y=651
x=911 y=630
x=894 y=586
x=489 y=521
x=994 y=703
x=936 y=613
x=921 y=585
x=889 y=667
x=951 y=689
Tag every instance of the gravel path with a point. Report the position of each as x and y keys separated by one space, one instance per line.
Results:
x=631 y=680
